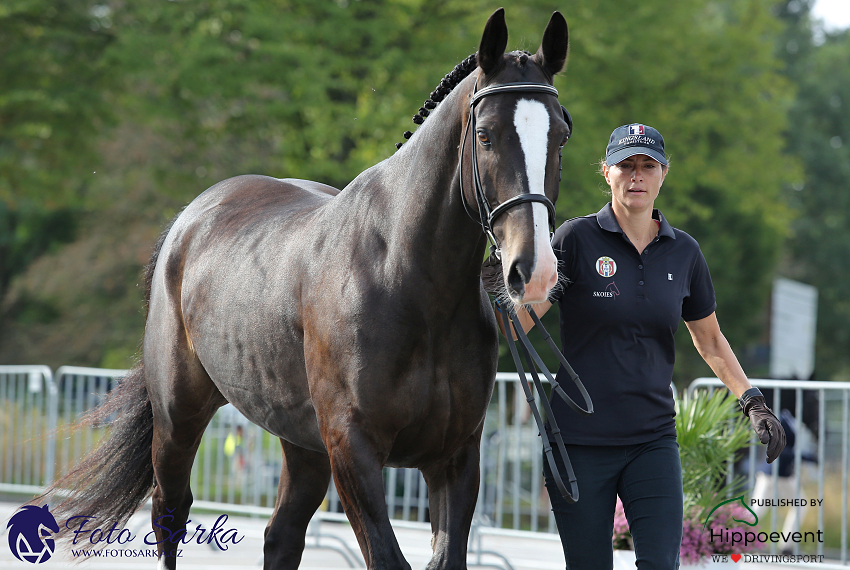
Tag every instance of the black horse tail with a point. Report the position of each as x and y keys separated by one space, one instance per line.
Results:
x=113 y=480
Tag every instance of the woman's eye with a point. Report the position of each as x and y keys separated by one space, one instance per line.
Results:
x=483 y=138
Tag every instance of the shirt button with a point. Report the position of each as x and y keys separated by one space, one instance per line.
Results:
x=640 y=266
x=640 y=282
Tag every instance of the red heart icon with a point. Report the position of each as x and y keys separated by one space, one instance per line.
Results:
x=736 y=557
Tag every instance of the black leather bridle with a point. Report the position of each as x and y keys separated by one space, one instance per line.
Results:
x=487 y=215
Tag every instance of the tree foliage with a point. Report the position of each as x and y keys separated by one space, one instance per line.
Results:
x=201 y=91
x=819 y=134
x=52 y=109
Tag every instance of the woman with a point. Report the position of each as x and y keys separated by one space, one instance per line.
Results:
x=628 y=279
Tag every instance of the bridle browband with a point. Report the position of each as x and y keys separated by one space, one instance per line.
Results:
x=487 y=215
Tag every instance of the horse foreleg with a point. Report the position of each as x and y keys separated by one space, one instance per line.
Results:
x=357 y=473
x=452 y=494
x=304 y=479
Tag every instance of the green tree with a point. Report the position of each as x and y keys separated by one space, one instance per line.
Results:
x=819 y=135
x=51 y=109
x=202 y=91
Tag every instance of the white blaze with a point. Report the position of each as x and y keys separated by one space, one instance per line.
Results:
x=531 y=120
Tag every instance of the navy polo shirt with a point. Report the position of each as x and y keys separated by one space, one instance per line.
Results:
x=618 y=313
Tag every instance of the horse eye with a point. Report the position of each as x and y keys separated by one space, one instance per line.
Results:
x=483 y=138
x=564 y=142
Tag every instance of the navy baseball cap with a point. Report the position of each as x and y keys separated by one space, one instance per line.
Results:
x=630 y=140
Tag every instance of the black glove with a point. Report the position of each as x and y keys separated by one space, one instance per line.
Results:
x=765 y=423
x=491 y=275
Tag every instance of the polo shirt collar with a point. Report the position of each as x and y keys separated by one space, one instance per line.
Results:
x=607 y=221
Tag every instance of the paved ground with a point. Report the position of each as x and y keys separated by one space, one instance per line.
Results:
x=331 y=545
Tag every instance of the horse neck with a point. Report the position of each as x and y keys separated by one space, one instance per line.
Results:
x=422 y=186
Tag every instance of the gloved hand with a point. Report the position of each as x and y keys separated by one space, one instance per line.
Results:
x=765 y=423
x=491 y=275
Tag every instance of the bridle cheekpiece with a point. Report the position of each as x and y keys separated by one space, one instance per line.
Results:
x=487 y=215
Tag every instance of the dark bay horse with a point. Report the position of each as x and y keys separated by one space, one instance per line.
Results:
x=352 y=325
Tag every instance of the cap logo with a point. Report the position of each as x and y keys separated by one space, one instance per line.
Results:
x=636 y=130
x=606 y=267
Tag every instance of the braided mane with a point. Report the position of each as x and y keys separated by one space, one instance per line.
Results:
x=449 y=82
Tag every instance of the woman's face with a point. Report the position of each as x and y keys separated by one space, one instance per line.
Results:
x=635 y=182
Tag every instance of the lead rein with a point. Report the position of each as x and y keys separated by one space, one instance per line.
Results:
x=532 y=358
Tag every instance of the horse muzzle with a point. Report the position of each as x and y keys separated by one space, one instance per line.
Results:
x=530 y=280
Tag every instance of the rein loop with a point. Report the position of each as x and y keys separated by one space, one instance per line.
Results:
x=534 y=362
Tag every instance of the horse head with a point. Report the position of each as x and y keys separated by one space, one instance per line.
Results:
x=511 y=165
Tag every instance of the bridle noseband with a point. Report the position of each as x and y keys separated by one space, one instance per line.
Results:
x=487 y=215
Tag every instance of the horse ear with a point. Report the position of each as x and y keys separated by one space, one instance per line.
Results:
x=552 y=53
x=493 y=42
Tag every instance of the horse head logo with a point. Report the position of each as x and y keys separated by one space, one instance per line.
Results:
x=733 y=500
x=612 y=287
x=30 y=531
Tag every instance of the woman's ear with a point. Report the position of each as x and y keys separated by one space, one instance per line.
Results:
x=605 y=169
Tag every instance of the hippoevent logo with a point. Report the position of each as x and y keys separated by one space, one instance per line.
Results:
x=31 y=531
x=748 y=539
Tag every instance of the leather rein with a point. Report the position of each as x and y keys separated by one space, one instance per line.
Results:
x=534 y=363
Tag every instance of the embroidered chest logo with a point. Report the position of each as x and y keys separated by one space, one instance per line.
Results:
x=606 y=267
x=610 y=291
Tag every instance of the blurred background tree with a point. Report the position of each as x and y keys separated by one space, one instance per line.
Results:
x=171 y=97
x=819 y=136
x=52 y=110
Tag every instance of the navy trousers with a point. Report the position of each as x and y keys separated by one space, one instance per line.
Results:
x=648 y=479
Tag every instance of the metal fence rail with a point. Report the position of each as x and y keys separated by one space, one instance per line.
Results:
x=238 y=464
x=27 y=418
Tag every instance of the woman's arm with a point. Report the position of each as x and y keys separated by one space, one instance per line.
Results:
x=715 y=350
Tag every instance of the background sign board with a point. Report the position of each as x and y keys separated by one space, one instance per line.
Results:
x=793 y=323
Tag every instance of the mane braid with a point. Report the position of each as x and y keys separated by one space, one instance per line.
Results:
x=449 y=82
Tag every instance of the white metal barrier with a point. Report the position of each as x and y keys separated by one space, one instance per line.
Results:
x=27 y=418
x=238 y=464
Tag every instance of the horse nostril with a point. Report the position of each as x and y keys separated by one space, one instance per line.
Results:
x=518 y=276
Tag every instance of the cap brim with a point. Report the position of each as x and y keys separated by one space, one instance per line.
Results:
x=622 y=154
